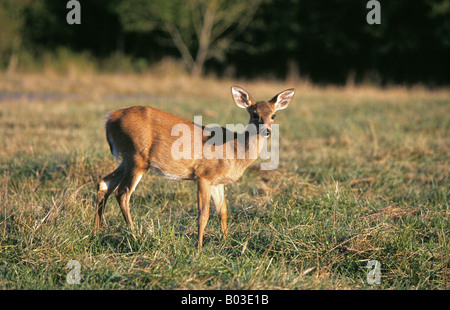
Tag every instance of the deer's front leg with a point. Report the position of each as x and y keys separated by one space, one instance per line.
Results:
x=218 y=198
x=203 y=198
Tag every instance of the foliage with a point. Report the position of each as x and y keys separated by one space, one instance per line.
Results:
x=322 y=41
x=11 y=27
x=200 y=30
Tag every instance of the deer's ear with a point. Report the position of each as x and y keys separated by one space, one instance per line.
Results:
x=283 y=99
x=241 y=97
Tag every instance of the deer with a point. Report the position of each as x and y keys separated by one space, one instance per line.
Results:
x=142 y=137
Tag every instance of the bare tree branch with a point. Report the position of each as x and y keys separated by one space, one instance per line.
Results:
x=211 y=24
x=180 y=45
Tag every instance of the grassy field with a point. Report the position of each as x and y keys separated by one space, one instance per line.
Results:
x=363 y=175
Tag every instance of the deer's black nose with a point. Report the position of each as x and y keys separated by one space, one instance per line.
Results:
x=266 y=132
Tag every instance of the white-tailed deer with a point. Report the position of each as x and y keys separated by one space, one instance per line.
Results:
x=142 y=137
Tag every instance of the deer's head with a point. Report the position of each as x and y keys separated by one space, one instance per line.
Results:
x=262 y=113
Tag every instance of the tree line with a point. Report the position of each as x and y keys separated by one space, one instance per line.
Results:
x=327 y=41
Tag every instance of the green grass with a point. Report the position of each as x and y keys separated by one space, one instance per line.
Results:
x=360 y=178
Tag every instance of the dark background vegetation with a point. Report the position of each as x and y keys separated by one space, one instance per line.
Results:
x=321 y=41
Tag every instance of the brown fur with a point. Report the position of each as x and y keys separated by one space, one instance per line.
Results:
x=142 y=137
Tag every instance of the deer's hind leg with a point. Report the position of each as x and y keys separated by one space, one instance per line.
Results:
x=104 y=188
x=130 y=180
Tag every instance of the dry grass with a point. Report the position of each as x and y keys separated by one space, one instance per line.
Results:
x=363 y=175
x=94 y=85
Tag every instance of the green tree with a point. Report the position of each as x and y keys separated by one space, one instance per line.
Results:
x=199 y=29
x=11 y=23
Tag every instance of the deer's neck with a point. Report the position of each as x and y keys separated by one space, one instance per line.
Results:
x=249 y=144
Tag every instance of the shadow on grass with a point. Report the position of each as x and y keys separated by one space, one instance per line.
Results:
x=119 y=239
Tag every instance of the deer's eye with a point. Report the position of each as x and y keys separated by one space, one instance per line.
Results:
x=273 y=116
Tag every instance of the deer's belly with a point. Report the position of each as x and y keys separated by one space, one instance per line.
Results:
x=172 y=174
